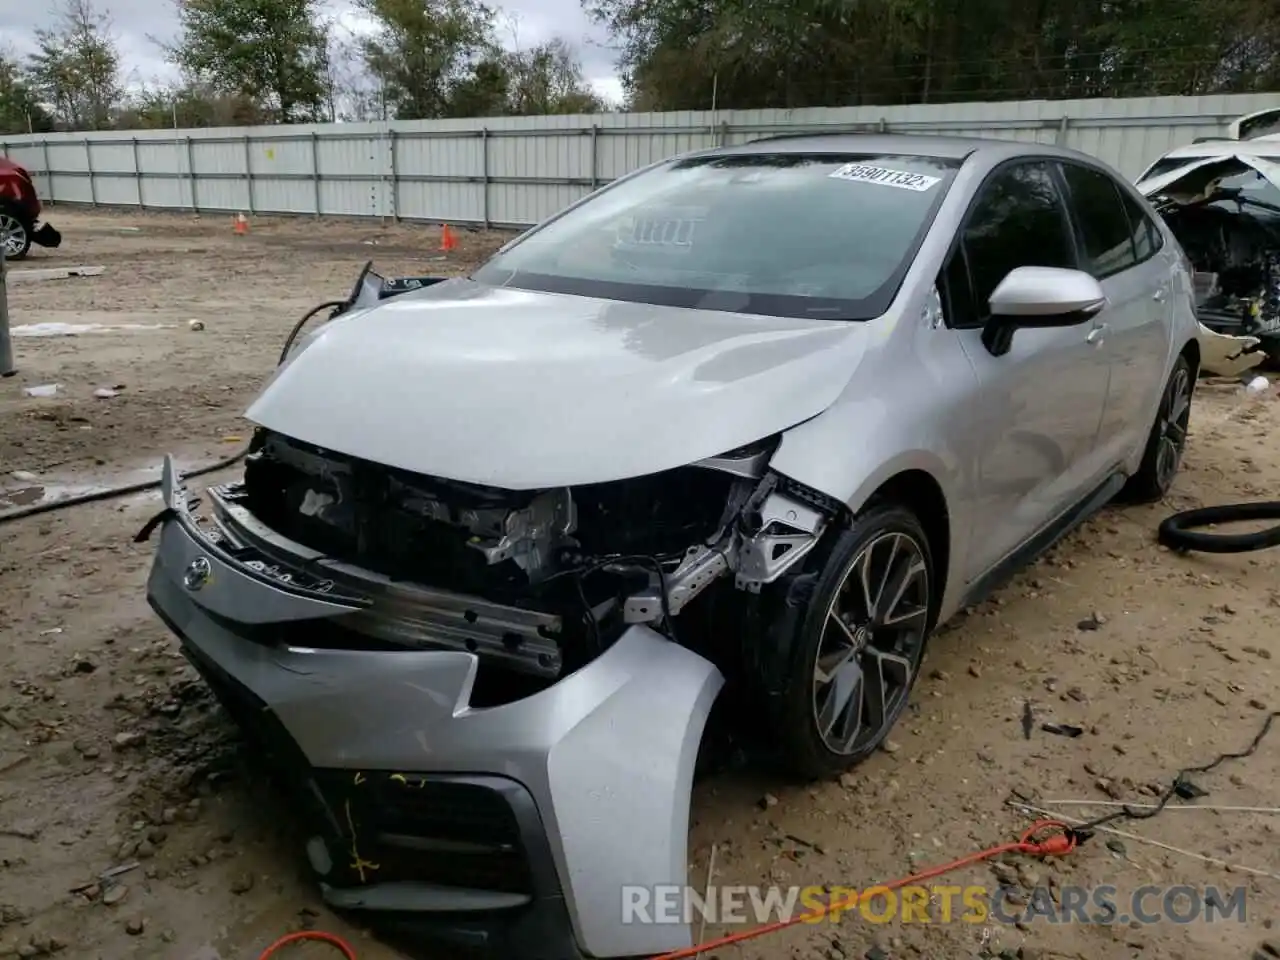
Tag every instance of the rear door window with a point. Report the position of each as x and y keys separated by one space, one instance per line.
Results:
x=1106 y=237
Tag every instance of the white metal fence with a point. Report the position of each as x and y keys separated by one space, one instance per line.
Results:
x=513 y=171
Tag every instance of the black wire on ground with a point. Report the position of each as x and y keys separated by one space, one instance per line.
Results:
x=1178 y=531
x=143 y=486
x=1181 y=786
x=113 y=492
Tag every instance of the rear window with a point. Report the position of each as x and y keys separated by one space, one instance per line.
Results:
x=786 y=234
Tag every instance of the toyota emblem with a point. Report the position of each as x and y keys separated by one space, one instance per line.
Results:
x=197 y=574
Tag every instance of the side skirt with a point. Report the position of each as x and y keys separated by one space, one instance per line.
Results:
x=1003 y=571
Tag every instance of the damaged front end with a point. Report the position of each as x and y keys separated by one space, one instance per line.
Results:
x=538 y=582
x=1225 y=213
x=492 y=700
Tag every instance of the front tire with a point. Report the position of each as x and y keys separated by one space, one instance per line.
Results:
x=857 y=642
x=1167 y=440
x=15 y=233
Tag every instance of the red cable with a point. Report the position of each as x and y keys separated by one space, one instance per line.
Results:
x=1057 y=845
x=332 y=939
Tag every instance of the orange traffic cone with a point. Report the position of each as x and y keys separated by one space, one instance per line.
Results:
x=447 y=240
x=242 y=224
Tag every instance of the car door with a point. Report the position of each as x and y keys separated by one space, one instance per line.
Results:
x=1138 y=379
x=1118 y=246
x=1031 y=454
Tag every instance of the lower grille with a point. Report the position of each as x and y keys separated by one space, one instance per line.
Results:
x=384 y=826
x=406 y=827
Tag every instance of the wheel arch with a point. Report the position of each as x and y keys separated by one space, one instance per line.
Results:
x=920 y=492
x=1191 y=350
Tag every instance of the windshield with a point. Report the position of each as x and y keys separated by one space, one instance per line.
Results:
x=787 y=234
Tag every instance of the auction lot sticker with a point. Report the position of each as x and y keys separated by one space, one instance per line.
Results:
x=862 y=173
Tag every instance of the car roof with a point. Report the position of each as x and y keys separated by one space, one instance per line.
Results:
x=906 y=144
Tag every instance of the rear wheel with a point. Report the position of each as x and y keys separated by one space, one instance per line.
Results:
x=858 y=641
x=15 y=233
x=1167 y=439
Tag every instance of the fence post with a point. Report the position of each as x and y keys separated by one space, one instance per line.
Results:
x=484 y=175
x=595 y=156
x=48 y=170
x=395 y=177
x=191 y=175
x=1062 y=130
x=248 y=171
x=88 y=162
x=6 y=345
x=137 y=173
x=315 y=168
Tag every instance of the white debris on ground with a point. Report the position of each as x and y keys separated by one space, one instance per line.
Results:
x=75 y=329
x=40 y=274
x=1224 y=356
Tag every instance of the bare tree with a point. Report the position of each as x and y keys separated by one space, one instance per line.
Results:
x=76 y=67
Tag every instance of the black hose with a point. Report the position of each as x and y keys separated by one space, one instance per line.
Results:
x=111 y=493
x=297 y=327
x=143 y=486
x=1178 y=531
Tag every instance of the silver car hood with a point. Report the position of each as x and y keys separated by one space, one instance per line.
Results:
x=521 y=390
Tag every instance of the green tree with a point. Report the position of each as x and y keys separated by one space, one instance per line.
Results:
x=20 y=112
x=685 y=54
x=547 y=79
x=424 y=54
x=186 y=104
x=76 y=67
x=484 y=90
x=272 y=52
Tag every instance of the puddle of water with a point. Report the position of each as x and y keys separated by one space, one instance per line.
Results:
x=74 y=329
x=32 y=489
x=45 y=492
x=23 y=496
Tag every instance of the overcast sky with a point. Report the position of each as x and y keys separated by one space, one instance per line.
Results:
x=527 y=22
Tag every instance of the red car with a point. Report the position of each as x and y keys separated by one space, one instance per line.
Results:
x=19 y=213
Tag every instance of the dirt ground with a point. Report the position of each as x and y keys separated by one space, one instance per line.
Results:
x=112 y=756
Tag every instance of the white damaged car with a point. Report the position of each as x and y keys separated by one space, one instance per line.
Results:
x=1221 y=198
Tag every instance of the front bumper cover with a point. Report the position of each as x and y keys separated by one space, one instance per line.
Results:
x=585 y=785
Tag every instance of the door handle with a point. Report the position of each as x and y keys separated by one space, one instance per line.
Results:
x=1159 y=295
x=1097 y=335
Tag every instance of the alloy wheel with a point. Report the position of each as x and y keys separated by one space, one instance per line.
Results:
x=1175 y=414
x=13 y=235
x=872 y=640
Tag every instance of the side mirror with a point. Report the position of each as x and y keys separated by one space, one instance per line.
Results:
x=1038 y=297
